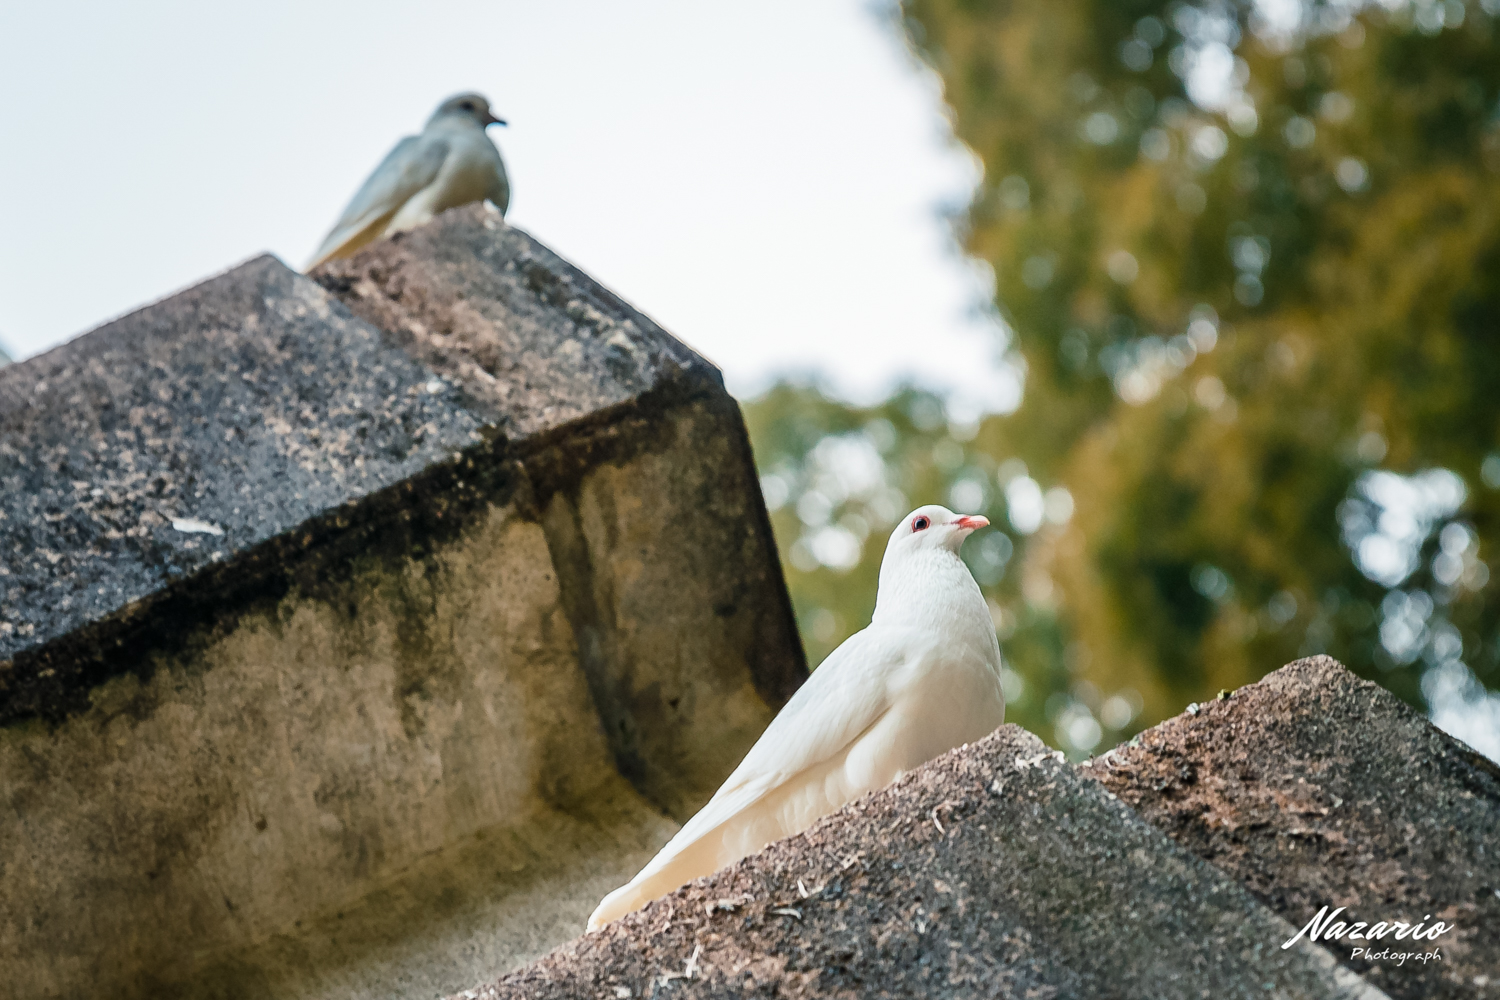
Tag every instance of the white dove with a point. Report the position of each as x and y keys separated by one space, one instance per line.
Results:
x=451 y=163
x=923 y=678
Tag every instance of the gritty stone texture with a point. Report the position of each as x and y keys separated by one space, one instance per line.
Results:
x=541 y=343
x=529 y=335
x=251 y=402
x=458 y=649
x=1315 y=788
x=995 y=871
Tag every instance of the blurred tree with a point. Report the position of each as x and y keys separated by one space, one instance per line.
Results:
x=1250 y=254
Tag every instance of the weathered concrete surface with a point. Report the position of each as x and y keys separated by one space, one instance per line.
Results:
x=1315 y=788
x=995 y=871
x=542 y=344
x=459 y=645
x=196 y=407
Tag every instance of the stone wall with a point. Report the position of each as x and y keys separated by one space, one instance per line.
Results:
x=357 y=636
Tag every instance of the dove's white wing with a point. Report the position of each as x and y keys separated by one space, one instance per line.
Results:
x=407 y=169
x=841 y=699
x=844 y=698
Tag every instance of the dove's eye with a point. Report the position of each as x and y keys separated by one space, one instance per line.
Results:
x=920 y=523
x=467 y=106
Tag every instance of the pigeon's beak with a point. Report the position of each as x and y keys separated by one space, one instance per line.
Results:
x=972 y=522
x=492 y=120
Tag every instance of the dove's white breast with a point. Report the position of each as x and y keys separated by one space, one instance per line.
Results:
x=467 y=175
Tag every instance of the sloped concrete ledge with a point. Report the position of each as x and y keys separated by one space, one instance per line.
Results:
x=568 y=397
x=1199 y=850
x=1316 y=788
x=997 y=870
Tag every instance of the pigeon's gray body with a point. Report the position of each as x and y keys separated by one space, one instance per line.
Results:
x=451 y=163
x=923 y=678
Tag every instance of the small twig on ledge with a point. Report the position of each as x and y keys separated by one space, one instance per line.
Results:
x=688 y=971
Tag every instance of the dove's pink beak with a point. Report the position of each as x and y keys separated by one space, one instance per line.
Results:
x=972 y=522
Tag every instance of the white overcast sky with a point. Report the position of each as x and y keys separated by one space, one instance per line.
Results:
x=766 y=179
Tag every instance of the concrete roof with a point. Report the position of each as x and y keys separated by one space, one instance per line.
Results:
x=1314 y=787
x=267 y=408
x=1174 y=868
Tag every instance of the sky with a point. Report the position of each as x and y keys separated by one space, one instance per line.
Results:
x=769 y=181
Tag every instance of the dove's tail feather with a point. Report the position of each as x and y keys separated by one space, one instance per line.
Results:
x=735 y=823
x=694 y=860
x=743 y=833
x=706 y=843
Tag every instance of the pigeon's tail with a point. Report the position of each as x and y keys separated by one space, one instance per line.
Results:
x=681 y=861
x=626 y=899
x=739 y=821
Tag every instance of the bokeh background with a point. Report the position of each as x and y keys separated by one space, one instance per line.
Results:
x=1199 y=303
x=1249 y=254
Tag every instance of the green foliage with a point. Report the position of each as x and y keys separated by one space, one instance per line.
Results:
x=838 y=479
x=1260 y=332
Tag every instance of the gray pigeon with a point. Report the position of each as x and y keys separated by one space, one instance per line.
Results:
x=451 y=163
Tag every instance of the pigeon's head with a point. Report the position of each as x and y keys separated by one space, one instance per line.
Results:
x=922 y=579
x=472 y=106
x=934 y=527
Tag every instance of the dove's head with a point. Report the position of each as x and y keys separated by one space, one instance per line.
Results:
x=922 y=579
x=472 y=106
x=933 y=527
